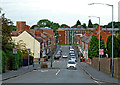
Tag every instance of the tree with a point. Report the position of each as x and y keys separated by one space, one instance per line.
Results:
x=4 y=62
x=95 y=25
x=115 y=46
x=84 y=25
x=102 y=46
x=78 y=23
x=33 y=26
x=118 y=38
x=44 y=23
x=64 y=26
x=54 y=26
x=93 y=50
x=7 y=24
x=90 y=25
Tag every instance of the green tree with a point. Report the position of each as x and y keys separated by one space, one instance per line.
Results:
x=118 y=38
x=93 y=50
x=7 y=24
x=115 y=46
x=84 y=25
x=54 y=26
x=90 y=25
x=102 y=46
x=4 y=62
x=64 y=26
x=33 y=26
x=44 y=23
x=78 y=23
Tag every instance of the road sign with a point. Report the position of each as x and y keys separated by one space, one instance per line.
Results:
x=14 y=50
x=101 y=51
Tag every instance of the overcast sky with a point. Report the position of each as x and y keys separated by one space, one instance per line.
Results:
x=60 y=11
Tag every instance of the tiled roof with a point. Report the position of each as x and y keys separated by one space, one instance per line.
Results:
x=15 y=33
x=39 y=39
x=73 y=28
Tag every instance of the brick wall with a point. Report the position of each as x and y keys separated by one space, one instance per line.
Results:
x=61 y=37
x=106 y=65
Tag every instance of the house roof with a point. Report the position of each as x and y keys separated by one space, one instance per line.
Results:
x=39 y=39
x=73 y=29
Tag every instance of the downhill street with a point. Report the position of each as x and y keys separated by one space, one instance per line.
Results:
x=60 y=74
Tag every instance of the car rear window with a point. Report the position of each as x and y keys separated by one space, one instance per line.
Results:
x=71 y=62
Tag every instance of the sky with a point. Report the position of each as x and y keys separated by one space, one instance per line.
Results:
x=59 y=11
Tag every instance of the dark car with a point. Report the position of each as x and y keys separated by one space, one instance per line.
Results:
x=57 y=56
x=46 y=58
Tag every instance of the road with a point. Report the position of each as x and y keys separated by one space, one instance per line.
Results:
x=57 y=75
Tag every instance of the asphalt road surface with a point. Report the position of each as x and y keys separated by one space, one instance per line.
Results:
x=57 y=75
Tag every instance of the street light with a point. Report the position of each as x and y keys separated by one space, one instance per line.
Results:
x=112 y=28
x=99 y=38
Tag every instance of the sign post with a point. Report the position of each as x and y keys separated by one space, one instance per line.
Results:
x=28 y=56
x=14 y=53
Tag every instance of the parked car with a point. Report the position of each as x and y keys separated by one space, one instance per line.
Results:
x=71 y=52
x=46 y=58
x=71 y=64
x=57 y=56
x=71 y=49
x=65 y=56
x=73 y=58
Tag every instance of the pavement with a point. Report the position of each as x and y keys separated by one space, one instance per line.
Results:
x=97 y=75
x=20 y=71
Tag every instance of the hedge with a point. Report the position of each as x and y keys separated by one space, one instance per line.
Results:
x=4 y=62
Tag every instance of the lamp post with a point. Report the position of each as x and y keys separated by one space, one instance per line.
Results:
x=99 y=38
x=34 y=46
x=112 y=28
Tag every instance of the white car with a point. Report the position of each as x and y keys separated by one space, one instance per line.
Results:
x=71 y=52
x=71 y=49
x=71 y=64
x=65 y=56
x=73 y=58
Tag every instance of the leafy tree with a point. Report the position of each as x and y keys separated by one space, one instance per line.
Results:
x=13 y=60
x=84 y=25
x=118 y=38
x=44 y=23
x=4 y=62
x=7 y=24
x=115 y=24
x=95 y=25
x=78 y=23
x=34 y=26
x=64 y=26
x=90 y=25
x=54 y=26
x=21 y=46
x=93 y=50
x=102 y=45
x=115 y=46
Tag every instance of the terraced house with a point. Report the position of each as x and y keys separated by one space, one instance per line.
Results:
x=41 y=41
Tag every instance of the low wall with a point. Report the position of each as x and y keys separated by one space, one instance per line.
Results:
x=106 y=65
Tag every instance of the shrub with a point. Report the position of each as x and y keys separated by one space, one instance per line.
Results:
x=4 y=62
x=14 y=60
x=44 y=65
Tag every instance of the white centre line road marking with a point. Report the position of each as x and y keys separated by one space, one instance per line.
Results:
x=44 y=70
x=57 y=72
